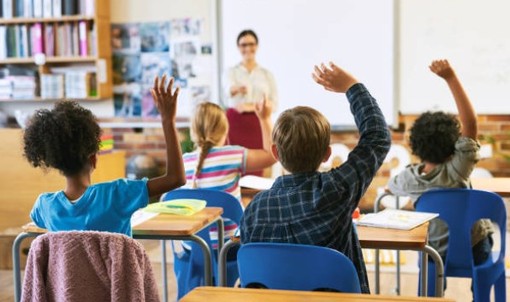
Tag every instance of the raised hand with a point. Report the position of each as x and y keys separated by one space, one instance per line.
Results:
x=165 y=97
x=264 y=108
x=442 y=68
x=333 y=78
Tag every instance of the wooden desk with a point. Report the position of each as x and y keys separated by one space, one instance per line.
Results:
x=161 y=227
x=498 y=185
x=226 y=294
x=377 y=238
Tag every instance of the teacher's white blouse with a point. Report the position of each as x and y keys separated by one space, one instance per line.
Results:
x=259 y=83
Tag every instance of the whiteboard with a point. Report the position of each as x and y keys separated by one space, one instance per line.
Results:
x=474 y=35
x=296 y=34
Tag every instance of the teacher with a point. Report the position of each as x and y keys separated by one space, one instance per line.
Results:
x=247 y=84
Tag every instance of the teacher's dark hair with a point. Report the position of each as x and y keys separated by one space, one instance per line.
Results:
x=247 y=32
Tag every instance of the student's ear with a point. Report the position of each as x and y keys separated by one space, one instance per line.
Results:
x=274 y=151
x=327 y=154
x=93 y=160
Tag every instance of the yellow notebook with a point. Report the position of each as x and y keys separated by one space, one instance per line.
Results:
x=184 y=207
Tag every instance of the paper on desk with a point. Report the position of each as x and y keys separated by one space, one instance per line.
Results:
x=141 y=216
x=256 y=182
x=396 y=219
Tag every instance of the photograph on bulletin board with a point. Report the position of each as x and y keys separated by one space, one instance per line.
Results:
x=142 y=51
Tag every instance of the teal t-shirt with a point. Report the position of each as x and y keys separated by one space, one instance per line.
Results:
x=103 y=207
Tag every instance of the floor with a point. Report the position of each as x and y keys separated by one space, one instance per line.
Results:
x=458 y=289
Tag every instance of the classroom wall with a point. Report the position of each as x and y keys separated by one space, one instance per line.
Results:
x=494 y=129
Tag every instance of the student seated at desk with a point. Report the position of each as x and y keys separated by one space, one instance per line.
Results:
x=217 y=166
x=309 y=207
x=448 y=152
x=67 y=138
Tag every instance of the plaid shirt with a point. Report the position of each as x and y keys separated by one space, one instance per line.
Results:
x=316 y=208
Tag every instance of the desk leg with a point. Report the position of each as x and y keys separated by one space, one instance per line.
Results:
x=16 y=263
x=424 y=273
x=207 y=258
x=221 y=234
x=163 y=270
x=427 y=250
x=377 y=265
x=222 y=262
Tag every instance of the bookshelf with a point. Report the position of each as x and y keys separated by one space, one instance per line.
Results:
x=55 y=49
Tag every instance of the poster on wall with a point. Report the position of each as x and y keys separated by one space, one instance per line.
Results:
x=142 y=51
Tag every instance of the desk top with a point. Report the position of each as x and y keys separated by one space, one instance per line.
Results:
x=213 y=294
x=415 y=239
x=178 y=225
x=164 y=224
x=498 y=185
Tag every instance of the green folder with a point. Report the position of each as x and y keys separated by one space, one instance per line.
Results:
x=184 y=207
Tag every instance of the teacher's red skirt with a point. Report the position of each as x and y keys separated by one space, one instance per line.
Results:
x=244 y=130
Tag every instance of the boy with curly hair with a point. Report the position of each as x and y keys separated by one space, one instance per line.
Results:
x=67 y=139
x=309 y=207
x=448 y=152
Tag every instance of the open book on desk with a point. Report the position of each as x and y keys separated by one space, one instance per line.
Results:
x=396 y=219
x=256 y=182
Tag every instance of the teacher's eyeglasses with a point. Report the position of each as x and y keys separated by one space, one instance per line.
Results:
x=243 y=45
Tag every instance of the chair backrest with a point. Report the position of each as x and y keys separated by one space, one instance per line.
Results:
x=232 y=208
x=339 y=154
x=88 y=266
x=460 y=209
x=296 y=267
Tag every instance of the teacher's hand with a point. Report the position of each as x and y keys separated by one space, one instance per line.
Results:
x=235 y=90
x=263 y=109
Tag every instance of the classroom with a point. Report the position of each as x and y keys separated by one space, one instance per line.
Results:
x=254 y=150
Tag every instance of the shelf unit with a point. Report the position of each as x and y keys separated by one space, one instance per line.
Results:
x=100 y=61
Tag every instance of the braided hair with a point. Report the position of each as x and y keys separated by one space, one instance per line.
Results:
x=209 y=128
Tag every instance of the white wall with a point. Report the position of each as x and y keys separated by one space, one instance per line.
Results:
x=474 y=35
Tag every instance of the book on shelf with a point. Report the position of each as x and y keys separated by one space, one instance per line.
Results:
x=17 y=87
x=7 y=9
x=11 y=41
x=57 y=8
x=3 y=46
x=37 y=39
x=83 y=36
x=28 y=8
x=47 y=8
x=38 y=8
x=49 y=40
x=52 y=86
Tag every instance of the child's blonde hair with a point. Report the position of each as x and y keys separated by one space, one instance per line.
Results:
x=302 y=136
x=209 y=128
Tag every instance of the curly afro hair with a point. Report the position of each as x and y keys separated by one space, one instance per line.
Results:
x=433 y=136
x=62 y=138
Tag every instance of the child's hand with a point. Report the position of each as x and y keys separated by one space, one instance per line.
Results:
x=164 y=98
x=263 y=109
x=333 y=78
x=442 y=68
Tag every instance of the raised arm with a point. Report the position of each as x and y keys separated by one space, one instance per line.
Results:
x=166 y=101
x=260 y=159
x=467 y=114
x=365 y=159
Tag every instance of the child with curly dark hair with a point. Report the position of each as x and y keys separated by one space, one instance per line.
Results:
x=67 y=138
x=448 y=151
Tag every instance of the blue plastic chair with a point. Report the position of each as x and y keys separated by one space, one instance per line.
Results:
x=460 y=209
x=189 y=266
x=296 y=267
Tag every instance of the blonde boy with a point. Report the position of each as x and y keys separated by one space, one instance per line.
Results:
x=308 y=207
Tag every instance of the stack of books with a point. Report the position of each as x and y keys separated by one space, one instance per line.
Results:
x=80 y=84
x=65 y=39
x=17 y=87
x=46 y=8
x=52 y=86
